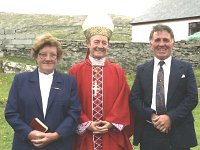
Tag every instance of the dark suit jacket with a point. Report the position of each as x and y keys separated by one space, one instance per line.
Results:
x=25 y=103
x=181 y=100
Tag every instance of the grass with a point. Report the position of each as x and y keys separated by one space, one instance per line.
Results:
x=5 y=83
x=197 y=74
x=6 y=132
x=19 y=60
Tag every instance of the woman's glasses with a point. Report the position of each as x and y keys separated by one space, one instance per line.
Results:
x=50 y=55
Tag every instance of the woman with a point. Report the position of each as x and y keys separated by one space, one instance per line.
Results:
x=47 y=95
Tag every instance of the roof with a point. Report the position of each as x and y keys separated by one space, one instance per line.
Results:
x=170 y=10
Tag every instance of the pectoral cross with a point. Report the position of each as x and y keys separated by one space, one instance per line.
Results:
x=95 y=88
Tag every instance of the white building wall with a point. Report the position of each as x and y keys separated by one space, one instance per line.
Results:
x=140 y=33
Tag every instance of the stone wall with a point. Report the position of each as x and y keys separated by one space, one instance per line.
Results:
x=127 y=54
x=12 y=41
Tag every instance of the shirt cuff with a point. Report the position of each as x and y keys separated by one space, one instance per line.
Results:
x=120 y=127
x=82 y=127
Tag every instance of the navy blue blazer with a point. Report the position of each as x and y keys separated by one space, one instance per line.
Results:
x=182 y=98
x=25 y=103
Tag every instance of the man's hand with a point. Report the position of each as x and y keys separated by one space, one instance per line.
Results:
x=100 y=127
x=103 y=127
x=161 y=122
x=93 y=126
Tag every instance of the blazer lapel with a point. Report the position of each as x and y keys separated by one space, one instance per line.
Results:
x=147 y=76
x=55 y=88
x=175 y=75
x=34 y=83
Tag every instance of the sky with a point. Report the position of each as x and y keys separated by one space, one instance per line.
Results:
x=76 y=7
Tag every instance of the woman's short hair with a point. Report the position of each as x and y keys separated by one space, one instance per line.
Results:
x=46 y=40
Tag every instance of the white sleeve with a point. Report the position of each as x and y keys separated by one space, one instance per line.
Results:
x=82 y=127
x=120 y=127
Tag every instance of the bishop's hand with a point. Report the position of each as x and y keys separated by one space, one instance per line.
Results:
x=100 y=127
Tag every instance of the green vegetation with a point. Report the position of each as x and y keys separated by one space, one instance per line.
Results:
x=62 y=27
x=6 y=132
x=5 y=83
x=19 y=59
x=130 y=78
x=197 y=74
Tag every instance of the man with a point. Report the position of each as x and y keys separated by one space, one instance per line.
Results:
x=103 y=92
x=46 y=94
x=164 y=119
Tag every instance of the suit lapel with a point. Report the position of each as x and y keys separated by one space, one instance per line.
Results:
x=55 y=88
x=34 y=84
x=147 y=75
x=175 y=75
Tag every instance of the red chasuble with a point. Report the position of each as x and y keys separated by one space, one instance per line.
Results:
x=104 y=94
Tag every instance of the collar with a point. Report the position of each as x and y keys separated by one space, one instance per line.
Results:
x=167 y=61
x=42 y=75
x=97 y=62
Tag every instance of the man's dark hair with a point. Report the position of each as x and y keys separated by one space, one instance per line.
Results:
x=161 y=27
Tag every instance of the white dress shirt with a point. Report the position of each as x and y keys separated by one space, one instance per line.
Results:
x=45 y=86
x=166 y=67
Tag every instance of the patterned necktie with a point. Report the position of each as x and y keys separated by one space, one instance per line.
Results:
x=160 y=93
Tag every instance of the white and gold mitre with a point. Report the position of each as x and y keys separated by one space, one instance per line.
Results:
x=98 y=24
